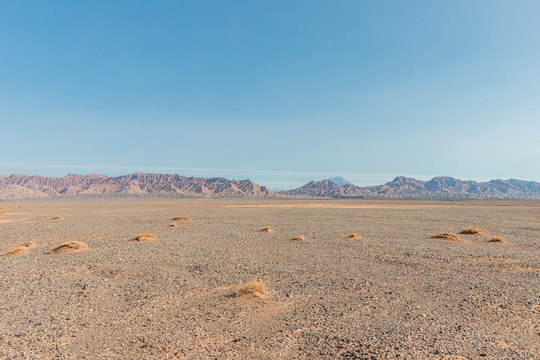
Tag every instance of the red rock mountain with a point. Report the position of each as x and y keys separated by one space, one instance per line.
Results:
x=22 y=186
x=172 y=185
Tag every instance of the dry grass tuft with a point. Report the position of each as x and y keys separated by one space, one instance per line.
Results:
x=181 y=218
x=56 y=218
x=355 y=236
x=472 y=231
x=18 y=251
x=253 y=288
x=267 y=229
x=446 y=236
x=496 y=239
x=145 y=237
x=21 y=250
x=299 y=238
x=173 y=225
x=69 y=246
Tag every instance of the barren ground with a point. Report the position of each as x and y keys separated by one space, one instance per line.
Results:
x=396 y=294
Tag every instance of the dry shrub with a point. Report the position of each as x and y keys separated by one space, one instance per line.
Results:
x=267 y=229
x=354 y=236
x=472 y=231
x=145 y=237
x=56 y=218
x=69 y=246
x=18 y=251
x=173 y=225
x=253 y=288
x=21 y=250
x=446 y=236
x=299 y=238
x=181 y=218
x=496 y=239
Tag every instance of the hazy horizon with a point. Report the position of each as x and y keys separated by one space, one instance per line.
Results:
x=275 y=180
x=278 y=92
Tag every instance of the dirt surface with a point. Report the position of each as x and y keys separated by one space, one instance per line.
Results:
x=395 y=294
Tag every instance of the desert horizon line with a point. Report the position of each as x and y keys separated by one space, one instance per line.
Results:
x=275 y=179
x=331 y=176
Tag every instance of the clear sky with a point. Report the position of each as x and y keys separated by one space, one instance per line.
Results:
x=281 y=92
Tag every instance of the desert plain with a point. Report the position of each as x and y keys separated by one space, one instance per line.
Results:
x=395 y=293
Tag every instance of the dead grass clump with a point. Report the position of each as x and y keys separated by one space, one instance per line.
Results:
x=267 y=229
x=446 y=236
x=145 y=237
x=18 y=251
x=354 y=236
x=299 y=238
x=69 y=246
x=472 y=231
x=253 y=288
x=173 y=225
x=21 y=250
x=57 y=218
x=496 y=239
x=181 y=218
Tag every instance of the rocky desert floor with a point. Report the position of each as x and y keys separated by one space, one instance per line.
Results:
x=395 y=294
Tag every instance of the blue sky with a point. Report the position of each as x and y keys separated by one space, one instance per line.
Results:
x=281 y=92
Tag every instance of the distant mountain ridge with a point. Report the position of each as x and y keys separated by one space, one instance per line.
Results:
x=18 y=186
x=339 y=180
x=442 y=187
x=23 y=186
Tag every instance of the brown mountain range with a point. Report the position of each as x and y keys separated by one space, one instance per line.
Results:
x=436 y=188
x=23 y=186
x=172 y=185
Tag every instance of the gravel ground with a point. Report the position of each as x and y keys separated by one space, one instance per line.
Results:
x=396 y=294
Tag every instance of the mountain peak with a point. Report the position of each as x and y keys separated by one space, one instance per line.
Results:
x=403 y=179
x=339 y=180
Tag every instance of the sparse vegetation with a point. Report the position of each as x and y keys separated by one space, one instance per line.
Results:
x=299 y=238
x=145 y=237
x=354 y=236
x=446 y=236
x=18 y=251
x=254 y=288
x=267 y=229
x=57 y=218
x=69 y=246
x=21 y=250
x=496 y=239
x=181 y=218
x=472 y=231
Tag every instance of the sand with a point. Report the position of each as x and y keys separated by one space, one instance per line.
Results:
x=398 y=295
